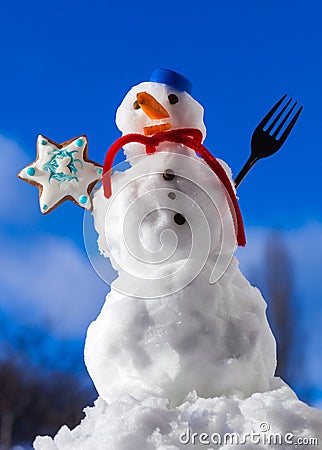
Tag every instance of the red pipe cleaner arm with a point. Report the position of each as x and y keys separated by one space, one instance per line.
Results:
x=185 y=136
x=111 y=153
x=222 y=175
x=150 y=143
x=190 y=137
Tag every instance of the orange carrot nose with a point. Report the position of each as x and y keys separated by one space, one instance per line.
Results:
x=152 y=108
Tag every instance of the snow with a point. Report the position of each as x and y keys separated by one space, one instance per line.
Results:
x=128 y=424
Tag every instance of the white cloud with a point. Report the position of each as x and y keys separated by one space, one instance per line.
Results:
x=43 y=277
x=50 y=279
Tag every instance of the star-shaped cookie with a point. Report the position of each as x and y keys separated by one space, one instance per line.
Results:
x=61 y=172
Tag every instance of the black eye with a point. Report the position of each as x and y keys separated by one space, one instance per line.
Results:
x=179 y=219
x=173 y=99
x=136 y=105
x=168 y=174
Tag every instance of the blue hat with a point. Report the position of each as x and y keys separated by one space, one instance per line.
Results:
x=173 y=79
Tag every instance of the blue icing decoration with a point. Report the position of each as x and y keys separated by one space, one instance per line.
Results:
x=79 y=142
x=100 y=171
x=45 y=207
x=53 y=166
x=43 y=142
x=31 y=171
x=83 y=199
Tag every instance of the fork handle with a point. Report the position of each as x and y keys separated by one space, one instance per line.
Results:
x=246 y=168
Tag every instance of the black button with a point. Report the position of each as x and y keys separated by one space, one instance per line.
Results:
x=168 y=174
x=179 y=219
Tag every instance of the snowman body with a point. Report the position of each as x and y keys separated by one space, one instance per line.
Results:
x=180 y=317
x=213 y=342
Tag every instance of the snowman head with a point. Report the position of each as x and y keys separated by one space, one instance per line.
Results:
x=161 y=104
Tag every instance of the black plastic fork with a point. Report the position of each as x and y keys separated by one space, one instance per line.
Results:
x=264 y=143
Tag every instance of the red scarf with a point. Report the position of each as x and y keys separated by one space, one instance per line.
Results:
x=190 y=137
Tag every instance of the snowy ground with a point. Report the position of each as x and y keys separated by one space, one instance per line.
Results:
x=269 y=420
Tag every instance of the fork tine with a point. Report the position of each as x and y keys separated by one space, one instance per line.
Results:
x=271 y=112
x=279 y=115
x=278 y=129
x=287 y=131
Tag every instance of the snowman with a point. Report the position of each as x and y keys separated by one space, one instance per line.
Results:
x=182 y=349
x=180 y=317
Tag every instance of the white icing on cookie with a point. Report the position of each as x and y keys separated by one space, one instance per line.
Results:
x=61 y=172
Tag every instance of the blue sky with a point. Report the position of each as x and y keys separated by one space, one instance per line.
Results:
x=66 y=67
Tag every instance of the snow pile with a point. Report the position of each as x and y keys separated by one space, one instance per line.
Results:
x=259 y=422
